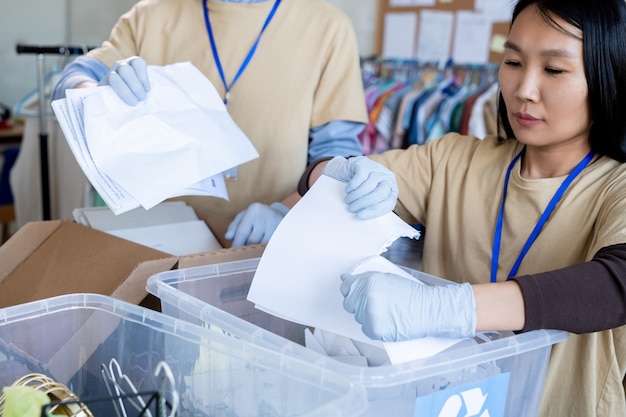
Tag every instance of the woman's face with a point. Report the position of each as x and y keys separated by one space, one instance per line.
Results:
x=542 y=80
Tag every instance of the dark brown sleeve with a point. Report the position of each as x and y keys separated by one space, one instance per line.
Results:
x=303 y=183
x=582 y=298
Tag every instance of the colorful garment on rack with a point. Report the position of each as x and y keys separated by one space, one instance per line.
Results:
x=415 y=104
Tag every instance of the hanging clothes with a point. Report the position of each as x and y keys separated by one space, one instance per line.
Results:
x=413 y=103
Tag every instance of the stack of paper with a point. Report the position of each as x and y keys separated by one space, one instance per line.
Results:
x=171 y=227
x=176 y=142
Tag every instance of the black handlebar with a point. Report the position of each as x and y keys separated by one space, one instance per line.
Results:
x=52 y=49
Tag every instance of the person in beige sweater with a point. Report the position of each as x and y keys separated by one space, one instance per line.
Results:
x=288 y=71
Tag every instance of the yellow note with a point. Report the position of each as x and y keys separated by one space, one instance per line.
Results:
x=497 y=43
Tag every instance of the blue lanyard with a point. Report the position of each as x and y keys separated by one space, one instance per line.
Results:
x=246 y=61
x=540 y=223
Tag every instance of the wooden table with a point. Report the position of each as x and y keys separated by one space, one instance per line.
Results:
x=12 y=135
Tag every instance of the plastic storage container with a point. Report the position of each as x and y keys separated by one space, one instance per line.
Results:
x=502 y=376
x=81 y=340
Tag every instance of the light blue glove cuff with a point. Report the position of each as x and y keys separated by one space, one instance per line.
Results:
x=280 y=207
x=393 y=308
x=455 y=314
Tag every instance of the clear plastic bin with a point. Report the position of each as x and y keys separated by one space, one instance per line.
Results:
x=502 y=376
x=75 y=339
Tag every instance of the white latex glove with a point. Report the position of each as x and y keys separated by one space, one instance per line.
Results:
x=129 y=79
x=256 y=224
x=392 y=308
x=371 y=189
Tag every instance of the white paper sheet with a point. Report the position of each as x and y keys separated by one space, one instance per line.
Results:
x=113 y=195
x=179 y=239
x=495 y=10
x=337 y=346
x=69 y=113
x=180 y=135
x=177 y=142
x=435 y=35
x=298 y=276
x=399 y=35
x=471 y=38
x=102 y=218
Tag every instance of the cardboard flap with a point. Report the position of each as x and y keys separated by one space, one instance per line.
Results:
x=135 y=285
x=23 y=243
x=49 y=258
x=221 y=255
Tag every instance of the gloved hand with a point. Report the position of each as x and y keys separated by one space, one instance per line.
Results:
x=371 y=190
x=256 y=224
x=392 y=308
x=129 y=79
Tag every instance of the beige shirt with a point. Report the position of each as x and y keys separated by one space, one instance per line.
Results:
x=453 y=186
x=305 y=73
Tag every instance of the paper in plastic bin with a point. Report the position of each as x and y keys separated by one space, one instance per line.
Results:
x=499 y=374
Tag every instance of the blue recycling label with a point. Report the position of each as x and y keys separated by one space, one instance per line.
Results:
x=484 y=398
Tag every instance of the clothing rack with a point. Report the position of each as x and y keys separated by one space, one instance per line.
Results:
x=395 y=68
x=41 y=51
x=410 y=101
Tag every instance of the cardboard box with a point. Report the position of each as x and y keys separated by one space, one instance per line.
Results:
x=57 y=257
x=218 y=225
x=146 y=269
x=48 y=258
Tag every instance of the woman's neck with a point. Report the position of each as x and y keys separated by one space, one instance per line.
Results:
x=538 y=163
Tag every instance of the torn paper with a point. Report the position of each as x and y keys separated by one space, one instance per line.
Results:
x=339 y=347
x=298 y=276
x=344 y=349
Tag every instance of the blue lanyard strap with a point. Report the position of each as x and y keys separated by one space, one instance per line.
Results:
x=246 y=61
x=540 y=223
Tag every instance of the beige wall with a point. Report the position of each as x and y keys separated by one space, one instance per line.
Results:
x=58 y=22
x=363 y=15
x=48 y=22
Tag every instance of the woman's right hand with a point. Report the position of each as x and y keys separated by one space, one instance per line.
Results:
x=371 y=189
x=129 y=79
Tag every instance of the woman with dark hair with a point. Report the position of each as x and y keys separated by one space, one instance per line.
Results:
x=533 y=225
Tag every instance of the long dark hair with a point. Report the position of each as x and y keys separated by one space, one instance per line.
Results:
x=603 y=24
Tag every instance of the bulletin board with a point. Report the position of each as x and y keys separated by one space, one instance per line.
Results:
x=499 y=28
